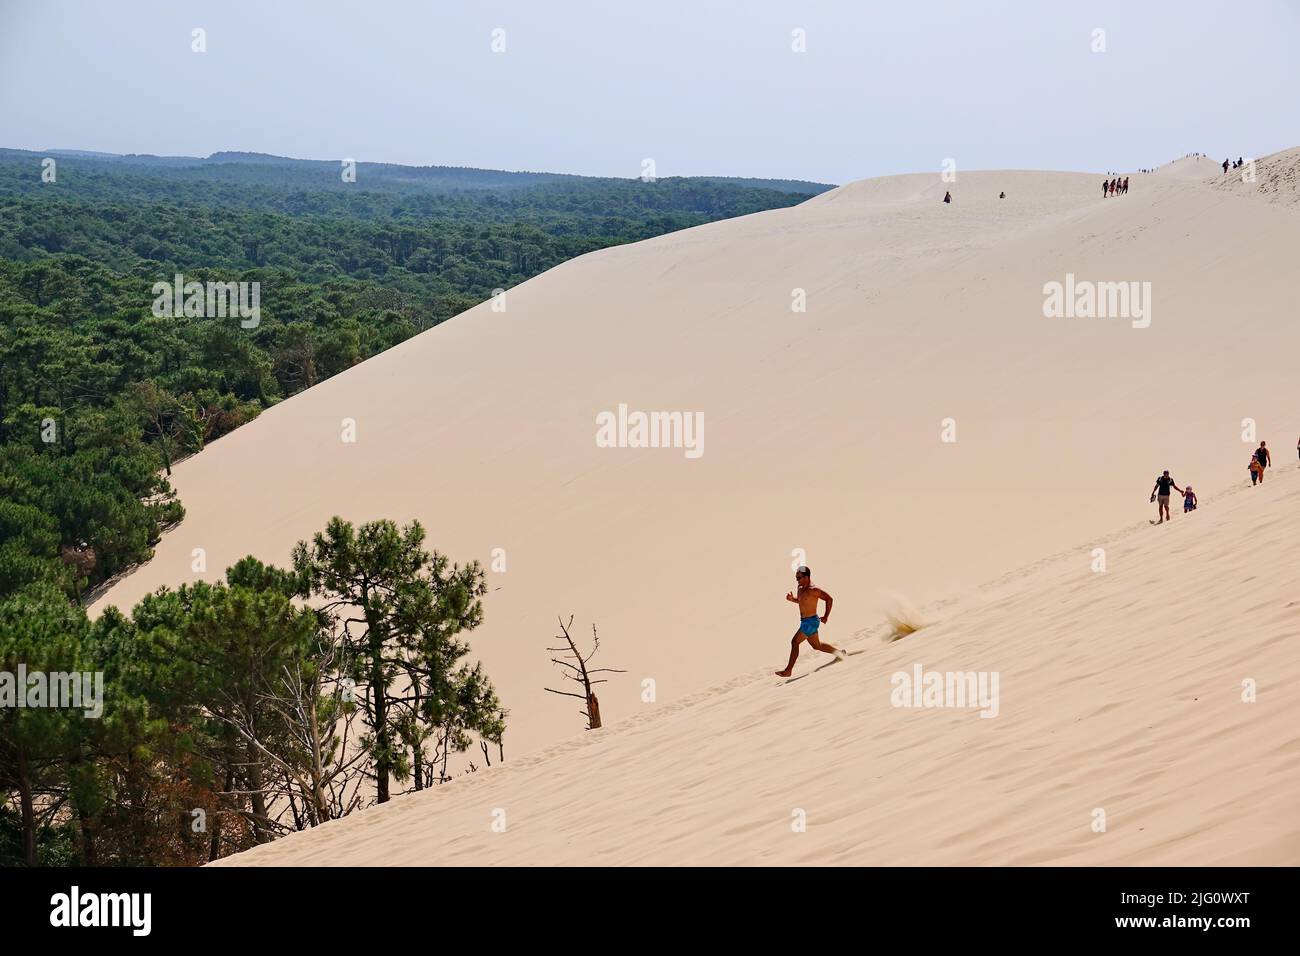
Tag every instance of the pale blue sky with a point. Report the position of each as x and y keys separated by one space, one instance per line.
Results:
x=702 y=87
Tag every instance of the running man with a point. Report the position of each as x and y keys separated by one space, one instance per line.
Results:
x=1160 y=492
x=809 y=622
x=1264 y=458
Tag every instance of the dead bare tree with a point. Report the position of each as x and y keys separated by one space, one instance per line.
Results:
x=579 y=673
x=316 y=767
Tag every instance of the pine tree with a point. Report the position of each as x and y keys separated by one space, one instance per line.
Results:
x=399 y=609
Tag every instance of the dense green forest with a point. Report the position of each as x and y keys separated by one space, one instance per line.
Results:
x=97 y=393
x=99 y=396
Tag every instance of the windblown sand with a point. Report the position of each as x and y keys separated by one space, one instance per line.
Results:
x=823 y=432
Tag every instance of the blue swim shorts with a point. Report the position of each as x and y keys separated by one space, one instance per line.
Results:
x=809 y=625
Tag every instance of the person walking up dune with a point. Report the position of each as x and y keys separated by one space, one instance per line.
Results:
x=1189 y=499
x=1160 y=494
x=1264 y=458
x=1125 y=185
x=947 y=196
x=1105 y=188
x=1256 y=471
x=809 y=623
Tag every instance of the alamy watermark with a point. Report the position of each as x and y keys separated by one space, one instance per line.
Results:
x=213 y=300
x=624 y=429
x=58 y=689
x=952 y=689
x=1084 y=299
x=75 y=908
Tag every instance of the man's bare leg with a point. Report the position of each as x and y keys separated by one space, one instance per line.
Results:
x=818 y=645
x=794 y=654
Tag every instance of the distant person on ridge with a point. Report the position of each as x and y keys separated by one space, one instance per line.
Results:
x=1225 y=167
x=809 y=623
x=1264 y=458
x=947 y=196
x=1160 y=494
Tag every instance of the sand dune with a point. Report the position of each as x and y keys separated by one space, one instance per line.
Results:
x=822 y=433
x=1274 y=178
x=1119 y=692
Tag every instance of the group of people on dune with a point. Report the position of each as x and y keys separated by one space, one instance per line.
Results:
x=1114 y=187
x=808 y=595
x=1160 y=494
x=1109 y=187
x=947 y=196
x=1259 y=461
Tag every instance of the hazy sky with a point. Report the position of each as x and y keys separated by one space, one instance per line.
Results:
x=702 y=87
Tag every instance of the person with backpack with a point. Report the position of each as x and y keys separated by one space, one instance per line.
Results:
x=1160 y=494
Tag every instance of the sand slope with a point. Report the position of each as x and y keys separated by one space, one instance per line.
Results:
x=1120 y=691
x=822 y=428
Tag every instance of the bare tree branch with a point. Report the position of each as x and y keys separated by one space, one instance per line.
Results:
x=577 y=671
